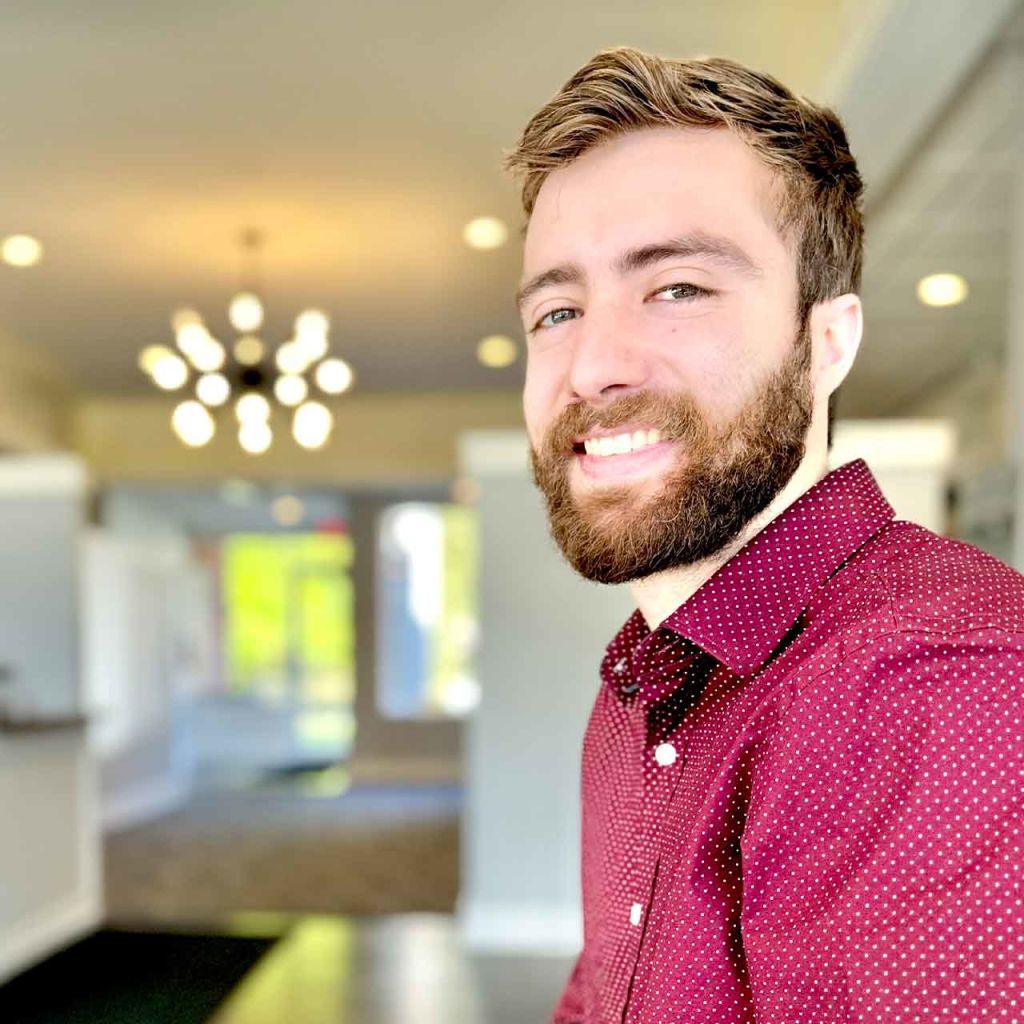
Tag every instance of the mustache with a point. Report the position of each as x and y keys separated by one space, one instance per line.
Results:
x=676 y=417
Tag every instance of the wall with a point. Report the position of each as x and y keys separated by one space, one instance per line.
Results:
x=377 y=439
x=138 y=644
x=35 y=401
x=50 y=842
x=544 y=631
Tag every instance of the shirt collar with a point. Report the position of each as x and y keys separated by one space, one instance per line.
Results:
x=740 y=614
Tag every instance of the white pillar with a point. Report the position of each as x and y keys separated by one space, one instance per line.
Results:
x=543 y=635
x=1015 y=348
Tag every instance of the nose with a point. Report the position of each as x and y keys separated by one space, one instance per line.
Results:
x=607 y=360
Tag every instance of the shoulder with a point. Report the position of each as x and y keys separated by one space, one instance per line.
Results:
x=939 y=584
x=933 y=625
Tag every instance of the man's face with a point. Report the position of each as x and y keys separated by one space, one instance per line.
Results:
x=659 y=303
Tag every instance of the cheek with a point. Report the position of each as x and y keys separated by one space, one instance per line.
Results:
x=702 y=351
x=710 y=360
x=539 y=392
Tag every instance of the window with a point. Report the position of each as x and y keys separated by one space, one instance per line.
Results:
x=426 y=610
x=288 y=617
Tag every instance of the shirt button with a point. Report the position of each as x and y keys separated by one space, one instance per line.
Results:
x=619 y=667
x=634 y=913
x=665 y=753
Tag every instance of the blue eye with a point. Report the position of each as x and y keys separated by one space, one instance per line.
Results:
x=554 y=318
x=689 y=291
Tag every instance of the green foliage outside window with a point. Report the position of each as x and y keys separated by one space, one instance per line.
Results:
x=288 y=616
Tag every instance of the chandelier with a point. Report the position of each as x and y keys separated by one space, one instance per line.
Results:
x=250 y=379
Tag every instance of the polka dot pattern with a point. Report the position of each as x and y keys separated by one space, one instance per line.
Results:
x=802 y=792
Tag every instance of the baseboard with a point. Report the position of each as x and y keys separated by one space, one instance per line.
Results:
x=516 y=928
x=52 y=929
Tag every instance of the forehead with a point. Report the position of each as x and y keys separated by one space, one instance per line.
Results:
x=648 y=184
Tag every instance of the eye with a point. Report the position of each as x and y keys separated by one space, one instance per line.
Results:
x=554 y=318
x=682 y=292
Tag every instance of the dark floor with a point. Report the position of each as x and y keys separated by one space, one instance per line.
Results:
x=401 y=969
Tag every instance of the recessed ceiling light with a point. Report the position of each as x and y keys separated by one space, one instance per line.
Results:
x=485 y=233
x=497 y=351
x=21 y=251
x=942 y=289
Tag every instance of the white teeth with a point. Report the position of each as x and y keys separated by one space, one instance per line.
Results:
x=621 y=444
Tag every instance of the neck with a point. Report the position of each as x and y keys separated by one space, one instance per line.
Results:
x=659 y=595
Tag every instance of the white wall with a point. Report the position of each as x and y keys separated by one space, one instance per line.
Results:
x=543 y=634
x=50 y=841
x=139 y=643
x=913 y=461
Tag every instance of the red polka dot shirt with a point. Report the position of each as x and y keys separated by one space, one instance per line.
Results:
x=802 y=793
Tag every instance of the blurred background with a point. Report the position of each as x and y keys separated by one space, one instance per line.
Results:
x=292 y=688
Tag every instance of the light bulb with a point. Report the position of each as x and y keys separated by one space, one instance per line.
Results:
x=209 y=357
x=255 y=436
x=252 y=407
x=213 y=389
x=246 y=312
x=312 y=346
x=151 y=355
x=334 y=376
x=311 y=321
x=192 y=337
x=249 y=350
x=192 y=423
x=185 y=318
x=290 y=390
x=290 y=358
x=312 y=424
x=170 y=372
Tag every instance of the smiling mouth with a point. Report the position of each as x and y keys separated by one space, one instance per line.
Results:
x=618 y=444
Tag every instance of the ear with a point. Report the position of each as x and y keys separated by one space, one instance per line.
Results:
x=836 y=329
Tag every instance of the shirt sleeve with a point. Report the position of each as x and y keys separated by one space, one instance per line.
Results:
x=569 y=1008
x=882 y=855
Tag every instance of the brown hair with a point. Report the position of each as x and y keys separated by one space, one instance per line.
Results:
x=623 y=89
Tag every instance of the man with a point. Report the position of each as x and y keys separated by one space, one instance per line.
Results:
x=802 y=777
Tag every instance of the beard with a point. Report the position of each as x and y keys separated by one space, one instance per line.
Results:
x=726 y=476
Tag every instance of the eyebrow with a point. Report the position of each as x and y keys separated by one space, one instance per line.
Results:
x=698 y=245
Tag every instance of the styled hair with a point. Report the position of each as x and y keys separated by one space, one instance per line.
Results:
x=818 y=188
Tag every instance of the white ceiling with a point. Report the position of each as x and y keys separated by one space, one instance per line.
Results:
x=948 y=209
x=139 y=139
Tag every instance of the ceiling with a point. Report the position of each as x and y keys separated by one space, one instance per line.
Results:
x=140 y=139
x=950 y=208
